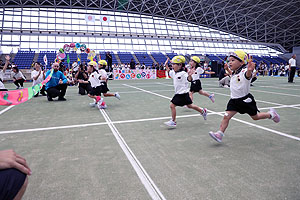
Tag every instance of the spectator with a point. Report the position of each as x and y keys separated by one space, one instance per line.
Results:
x=18 y=77
x=57 y=85
x=74 y=68
x=109 y=61
x=292 y=68
x=224 y=78
x=38 y=75
x=2 y=72
x=82 y=77
x=132 y=64
x=13 y=175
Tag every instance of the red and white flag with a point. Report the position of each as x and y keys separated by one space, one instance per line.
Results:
x=104 y=18
x=45 y=59
x=89 y=18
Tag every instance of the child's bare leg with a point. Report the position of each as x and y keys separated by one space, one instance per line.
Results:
x=192 y=106
x=173 y=112
x=108 y=94
x=93 y=97
x=225 y=121
x=204 y=93
x=191 y=95
x=259 y=116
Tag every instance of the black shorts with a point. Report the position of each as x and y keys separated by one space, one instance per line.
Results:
x=182 y=99
x=196 y=86
x=11 y=181
x=243 y=105
x=95 y=91
x=104 y=88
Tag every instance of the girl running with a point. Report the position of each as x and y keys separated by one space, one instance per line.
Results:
x=181 y=85
x=196 y=83
x=241 y=100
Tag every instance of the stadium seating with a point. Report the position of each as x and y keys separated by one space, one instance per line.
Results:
x=24 y=59
x=159 y=57
x=125 y=57
x=143 y=57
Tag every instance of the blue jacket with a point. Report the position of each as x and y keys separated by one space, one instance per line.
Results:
x=54 y=81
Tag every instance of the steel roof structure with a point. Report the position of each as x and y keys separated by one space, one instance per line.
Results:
x=266 y=21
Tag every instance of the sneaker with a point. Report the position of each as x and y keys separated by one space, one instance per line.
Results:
x=102 y=105
x=212 y=98
x=17 y=88
x=21 y=87
x=170 y=123
x=49 y=98
x=117 y=96
x=204 y=114
x=93 y=104
x=217 y=135
x=62 y=99
x=274 y=115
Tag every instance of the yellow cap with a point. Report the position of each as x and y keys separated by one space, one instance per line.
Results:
x=196 y=59
x=102 y=62
x=178 y=59
x=93 y=63
x=241 y=55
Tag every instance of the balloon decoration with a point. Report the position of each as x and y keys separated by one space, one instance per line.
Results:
x=78 y=48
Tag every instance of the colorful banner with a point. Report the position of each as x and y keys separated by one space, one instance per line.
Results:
x=134 y=74
x=15 y=97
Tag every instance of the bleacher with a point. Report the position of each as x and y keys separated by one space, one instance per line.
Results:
x=125 y=57
x=159 y=58
x=214 y=58
x=171 y=55
x=24 y=59
x=51 y=55
x=143 y=57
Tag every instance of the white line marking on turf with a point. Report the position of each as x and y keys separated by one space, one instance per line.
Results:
x=257 y=126
x=150 y=186
x=124 y=121
x=6 y=109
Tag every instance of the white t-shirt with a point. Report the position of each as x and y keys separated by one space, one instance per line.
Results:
x=75 y=67
x=40 y=79
x=197 y=73
x=2 y=79
x=17 y=75
x=103 y=74
x=180 y=81
x=94 y=79
x=239 y=85
x=292 y=61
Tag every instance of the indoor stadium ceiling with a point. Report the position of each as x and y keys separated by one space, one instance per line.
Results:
x=267 y=21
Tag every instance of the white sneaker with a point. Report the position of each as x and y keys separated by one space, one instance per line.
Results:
x=274 y=115
x=21 y=87
x=17 y=88
x=170 y=123
x=102 y=105
x=204 y=114
x=93 y=104
x=212 y=98
x=117 y=96
x=217 y=135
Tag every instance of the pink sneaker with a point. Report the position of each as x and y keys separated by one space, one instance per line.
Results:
x=217 y=135
x=274 y=115
x=204 y=114
x=102 y=105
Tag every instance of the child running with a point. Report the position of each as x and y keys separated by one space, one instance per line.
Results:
x=94 y=80
x=196 y=83
x=181 y=85
x=104 y=79
x=241 y=100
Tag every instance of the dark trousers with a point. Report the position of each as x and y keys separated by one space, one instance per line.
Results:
x=42 y=91
x=84 y=87
x=19 y=82
x=57 y=91
x=292 y=74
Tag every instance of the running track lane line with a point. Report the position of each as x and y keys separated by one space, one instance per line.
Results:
x=6 y=109
x=248 y=123
x=122 y=122
x=148 y=183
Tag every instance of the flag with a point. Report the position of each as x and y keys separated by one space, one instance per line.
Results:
x=78 y=58
x=104 y=18
x=89 y=18
x=45 y=59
